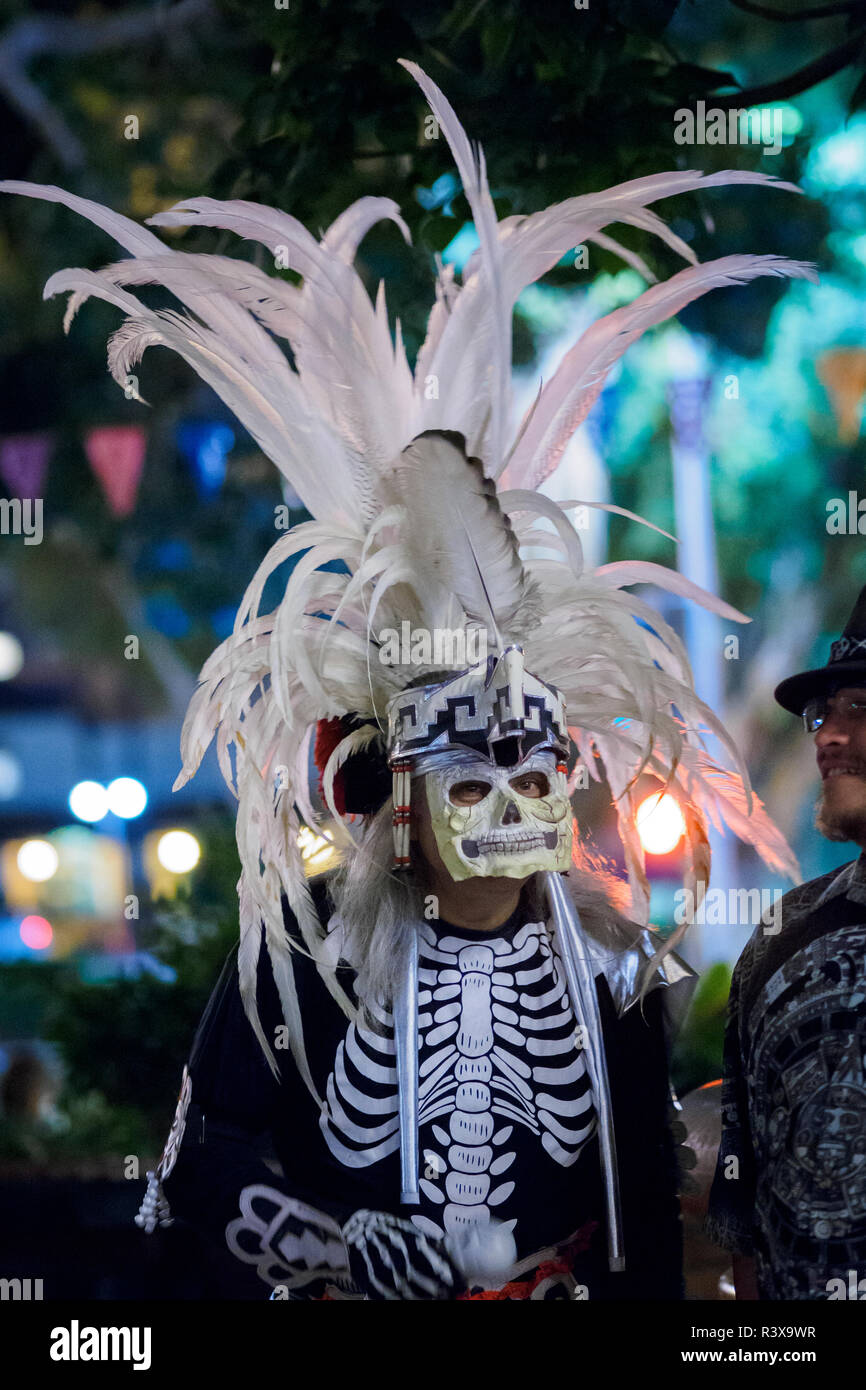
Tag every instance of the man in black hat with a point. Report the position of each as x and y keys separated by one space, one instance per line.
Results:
x=789 y=1196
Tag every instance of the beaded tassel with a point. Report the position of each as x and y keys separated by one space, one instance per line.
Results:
x=400 y=819
x=154 y=1210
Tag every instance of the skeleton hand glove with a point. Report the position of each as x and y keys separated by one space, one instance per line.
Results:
x=390 y=1259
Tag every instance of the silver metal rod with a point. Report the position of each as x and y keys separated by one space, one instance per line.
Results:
x=406 y=1054
x=584 y=1002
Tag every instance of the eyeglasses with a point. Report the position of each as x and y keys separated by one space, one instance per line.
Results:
x=815 y=711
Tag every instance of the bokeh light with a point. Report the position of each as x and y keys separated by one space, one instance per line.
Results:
x=317 y=851
x=178 y=851
x=10 y=775
x=38 y=860
x=660 y=823
x=11 y=656
x=88 y=801
x=36 y=932
x=127 y=797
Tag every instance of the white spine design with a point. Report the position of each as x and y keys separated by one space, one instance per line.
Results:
x=497 y=1049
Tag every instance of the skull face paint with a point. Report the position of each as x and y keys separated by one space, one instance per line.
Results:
x=500 y=822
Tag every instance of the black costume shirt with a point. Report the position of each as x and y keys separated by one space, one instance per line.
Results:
x=507 y=1126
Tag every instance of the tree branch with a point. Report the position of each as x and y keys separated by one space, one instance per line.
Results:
x=32 y=37
x=786 y=17
x=809 y=76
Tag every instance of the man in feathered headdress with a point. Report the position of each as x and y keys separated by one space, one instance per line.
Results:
x=471 y=1096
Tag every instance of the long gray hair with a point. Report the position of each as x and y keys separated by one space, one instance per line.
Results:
x=380 y=909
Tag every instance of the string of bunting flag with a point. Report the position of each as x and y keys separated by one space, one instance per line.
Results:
x=116 y=456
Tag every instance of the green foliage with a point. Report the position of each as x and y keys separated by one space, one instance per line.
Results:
x=26 y=989
x=697 y=1056
x=194 y=931
x=305 y=107
x=556 y=96
x=84 y=1126
x=123 y=1042
x=128 y=1039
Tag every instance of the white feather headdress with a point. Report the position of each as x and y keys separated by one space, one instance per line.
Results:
x=412 y=524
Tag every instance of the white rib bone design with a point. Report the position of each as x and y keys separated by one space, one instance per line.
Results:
x=365 y=1079
x=497 y=1043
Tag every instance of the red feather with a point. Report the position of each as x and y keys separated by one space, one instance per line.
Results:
x=330 y=733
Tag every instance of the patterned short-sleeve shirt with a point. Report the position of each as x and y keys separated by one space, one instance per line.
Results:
x=790 y=1185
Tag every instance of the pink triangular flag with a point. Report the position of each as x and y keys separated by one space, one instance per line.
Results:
x=116 y=455
x=23 y=460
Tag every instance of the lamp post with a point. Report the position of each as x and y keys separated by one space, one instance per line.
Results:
x=688 y=389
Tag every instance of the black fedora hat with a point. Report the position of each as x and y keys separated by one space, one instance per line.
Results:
x=845 y=666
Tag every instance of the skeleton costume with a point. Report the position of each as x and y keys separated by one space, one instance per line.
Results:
x=496 y=1125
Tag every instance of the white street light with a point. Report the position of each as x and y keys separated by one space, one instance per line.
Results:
x=88 y=801
x=37 y=860
x=178 y=851
x=127 y=797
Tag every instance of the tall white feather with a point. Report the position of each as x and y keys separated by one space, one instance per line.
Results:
x=473 y=174
x=421 y=537
x=567 y=399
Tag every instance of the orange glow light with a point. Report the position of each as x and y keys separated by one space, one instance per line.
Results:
x=660 y=823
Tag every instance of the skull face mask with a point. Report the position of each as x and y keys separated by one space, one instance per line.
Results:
x=501 y=822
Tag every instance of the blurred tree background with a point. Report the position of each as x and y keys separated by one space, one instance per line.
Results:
x=305 y=108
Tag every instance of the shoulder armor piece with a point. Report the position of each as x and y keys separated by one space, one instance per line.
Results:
x=623 y=971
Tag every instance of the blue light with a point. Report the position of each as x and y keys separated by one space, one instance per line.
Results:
x=222 y=620
x=166 y=615
x=172 y=555
x=839 y=161
x=461 y=246
x=205 y=444
x=439 y=194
